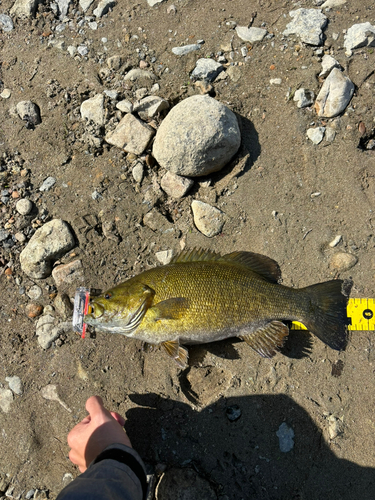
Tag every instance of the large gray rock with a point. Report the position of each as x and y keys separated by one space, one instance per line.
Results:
x=199 y=136
x=328 y=63
x=206 y=69
x=29 y=111
x=359 y=35
x=103 y=7
x=307 y=24
x=49 y=243
x=131 y=134
x=150 y=106
x=93 y=109
x=251 y=35
x=335 y=94
x=175 y=185
x=24 y=8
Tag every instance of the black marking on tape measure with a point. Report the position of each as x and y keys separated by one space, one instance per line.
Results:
x=368 y=314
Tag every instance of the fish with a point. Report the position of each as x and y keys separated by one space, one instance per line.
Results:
x=202 y=296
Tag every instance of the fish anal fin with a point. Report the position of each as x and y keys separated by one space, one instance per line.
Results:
x=268 y=339
x=264 y=266
x=178 y=353
x=195 y=255
x=173 y=308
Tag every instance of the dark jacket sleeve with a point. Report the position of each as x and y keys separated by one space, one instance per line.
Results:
x=110 y=479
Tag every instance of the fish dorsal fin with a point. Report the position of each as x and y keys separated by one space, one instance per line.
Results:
x=195 y=255
x=264 y=266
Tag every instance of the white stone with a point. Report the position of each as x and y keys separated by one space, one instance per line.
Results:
x=6 y=399
x=6 y=23
x=359 y=35
x=103 y=7
x=114 y=62
x=131 y=134
x=5 y=94
x=207 y=219
x=93 y=110
x=275 y=81
x=24 y=206
x=125 y=106
x=136 y=73
x=308 y=25
x=198 y=136
x=207 y=69
x=154 y=2
x=150 y=106
x=137 y=172
x=251 y=35
x=28 y=110
x=335 y=94
x=175 y=185
x=315 y=134
x=72 y=50
x=343 y=261
x=335 y=241
x=24 y=8
x=165 y=256
x=328 y=63
x=328 y=4
x=182 y=51
x=15 y=384
x=85 y=4
x=35 y=292
x=303 y=98
x=330 y=134
x=47 y=244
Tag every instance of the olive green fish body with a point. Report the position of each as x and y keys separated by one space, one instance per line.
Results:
x=202 y=297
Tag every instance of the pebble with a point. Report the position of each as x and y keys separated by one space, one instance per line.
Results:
x=156 y=221
x=303 y=97
x=308 y=25
x=329 y=4
x=103 y=7
x=47 y=184
x=172 y=9
x=328 y=63
x=165 y=256
x=29 y=111
x=335 y=94
x=275 y=81
x=330 y=134
x=286 y=437
x=112 y=94
x=125 y=106
x=63 y=306
x=5 y=94
x=34 y=292
x=335 y=427
x=251 y=35
x=33 y=310
x=182 y=51
x=72 y=50
x=359 y=35
x=316 y=134
x=29 y=494
x=82 y=50
x=233 y=413
x=207 y=69
x=24 y=206
x=184 y=484
x=175 y=185
x=137 y=73
x=85 y=4
x=114 y=62
x=6 y=23
x=68 y=274
x=6 y=399
x=47 y=244
x=154 y=2
x=93 y=110
x=15 y=384
x=335 y=241
x=214 y=137
x=234 y=73
x=20 y=237
x=131 y=134
x=150 y=106
x=24 y=8
x=343 y=261
x=207 y=219
x=137 y=172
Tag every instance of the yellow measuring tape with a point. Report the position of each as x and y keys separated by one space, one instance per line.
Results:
x=361 y=313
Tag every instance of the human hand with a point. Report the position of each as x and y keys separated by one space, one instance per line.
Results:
x=94 y=433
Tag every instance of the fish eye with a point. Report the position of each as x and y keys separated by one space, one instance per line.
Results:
x=107 y=296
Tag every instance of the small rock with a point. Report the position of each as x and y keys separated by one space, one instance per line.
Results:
x=6 y=23
x=114 y=62
x=183 y=484
x=85 y=4
x=131 y=134
x=308 y=25
x=303 y=97
x=29 y=494
x=335 y=241
x=275 y=81
x=24 y=206
x=150 y=106
x=112 y=94
x=286 y=437
x=82 y=50
x=233 y=413
x=316 y=134
x=165 y=256
x=335 y=94
x=251 y=35
x=24 y=8
x=15 y=384
x=329 y=4
x=35 y=292
x=207 y=219
x=72 y=50
x=207 y=69
x=154 y=2
x=330 y=134
x=47 y=332
x=63 y=306
x=137 y=74
x=335 y=427
x=156 y=221
x=213 y=139
x=172 y=9
x=234 y=73
x=48 y=243
x=47 y=184
x=6 y=399
x=182 y=51
x=342 y=261
x=328 y=63
x=175 y=185
x=49 y=392
x=67 y=274
x=5 y=94
x=359 y=35
x=20 y=237
x=103 y=7
x=125 y=106
x=93 y=110
x=33 y=310
x=137 y=172
x=29 y=112
x=63 y=7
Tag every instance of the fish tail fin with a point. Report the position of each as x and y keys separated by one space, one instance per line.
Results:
x=327 y=315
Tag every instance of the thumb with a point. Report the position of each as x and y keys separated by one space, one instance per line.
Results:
x=95 y=408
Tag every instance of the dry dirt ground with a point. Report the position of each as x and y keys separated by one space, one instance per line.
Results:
x=180 y=419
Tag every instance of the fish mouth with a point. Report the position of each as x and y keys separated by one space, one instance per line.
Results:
x=96 y=310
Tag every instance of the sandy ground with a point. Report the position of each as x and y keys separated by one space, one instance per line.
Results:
x=180 y=419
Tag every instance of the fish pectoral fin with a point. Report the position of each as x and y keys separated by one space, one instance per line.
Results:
x=268 y=339
x=178 y=353
x=173 y=308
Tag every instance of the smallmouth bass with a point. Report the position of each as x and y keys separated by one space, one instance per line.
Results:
x=201 y=296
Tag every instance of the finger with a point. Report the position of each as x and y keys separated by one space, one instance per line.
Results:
x=119 y=418
x=94 y=405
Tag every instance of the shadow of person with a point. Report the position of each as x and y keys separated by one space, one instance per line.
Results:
x=242 y=457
